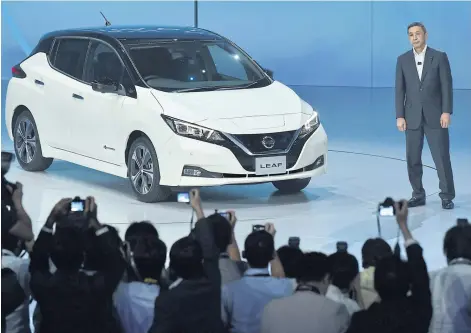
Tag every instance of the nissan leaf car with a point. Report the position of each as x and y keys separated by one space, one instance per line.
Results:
x=166 y=107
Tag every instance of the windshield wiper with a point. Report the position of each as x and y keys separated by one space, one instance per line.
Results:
x=250 y=85
x=196 y=89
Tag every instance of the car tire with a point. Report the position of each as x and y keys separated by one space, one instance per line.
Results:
x=27 y=144
x=144 y=172
x=292 y=185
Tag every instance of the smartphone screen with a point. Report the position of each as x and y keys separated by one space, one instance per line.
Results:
x=183 y=197
x=226 y=215
x=77 y=206
x=386 y=211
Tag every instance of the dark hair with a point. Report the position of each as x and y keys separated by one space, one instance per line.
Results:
x=314 y=267
x=373 y=250
x=343 y=269
x=417 y=24
x=140 y=228
x=222 y=231
x=291 y=259
x=259 y=249
x=391 y=278
x=68 y=249
x=149 y=254
x=186 y=259
x=457 y=242
x=94 y=259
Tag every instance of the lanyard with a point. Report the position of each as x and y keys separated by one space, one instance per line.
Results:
x=305 y=287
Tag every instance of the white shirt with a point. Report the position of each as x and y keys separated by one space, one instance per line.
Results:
x=420 y=58
x=336 y=295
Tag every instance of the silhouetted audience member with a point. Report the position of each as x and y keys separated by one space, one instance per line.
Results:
x=193 y=302
x=135 y=298
x=244 y=300
x=70 y=299
x=345 y=280
x=451 y=286
x=291 y=258
x=373 y=250
x=307 y=310
x=397 y=312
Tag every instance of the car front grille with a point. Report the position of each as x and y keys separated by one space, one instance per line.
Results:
x=255 y=142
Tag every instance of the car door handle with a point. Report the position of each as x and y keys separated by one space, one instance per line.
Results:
x=77 y=96
x=41 y=83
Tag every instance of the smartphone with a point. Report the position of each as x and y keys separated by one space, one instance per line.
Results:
x=183 y=197
x=226 y=215
x=294 y=242
x=386 y=210
x=77 y=206
x=258 y=227
x=342 y=246
x=462 y=222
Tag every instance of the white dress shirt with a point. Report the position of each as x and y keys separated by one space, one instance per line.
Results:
x=420 y=58
x=336 y=295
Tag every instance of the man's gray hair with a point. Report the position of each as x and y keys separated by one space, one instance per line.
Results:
x=417 y=24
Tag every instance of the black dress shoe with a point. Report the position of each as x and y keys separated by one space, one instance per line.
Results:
x=448 y=204
x=416 y=202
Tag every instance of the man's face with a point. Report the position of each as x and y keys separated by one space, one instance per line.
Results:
x=417 y=37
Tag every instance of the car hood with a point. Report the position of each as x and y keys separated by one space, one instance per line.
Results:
x=275 y=107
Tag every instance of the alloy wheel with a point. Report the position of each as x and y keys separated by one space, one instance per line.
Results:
x=142 y=170
x=26 y=141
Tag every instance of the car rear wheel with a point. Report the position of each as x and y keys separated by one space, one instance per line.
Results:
x=292 y=185
x=144 y=173
x=27 y=144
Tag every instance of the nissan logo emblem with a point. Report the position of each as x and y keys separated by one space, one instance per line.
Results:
x=268 y=142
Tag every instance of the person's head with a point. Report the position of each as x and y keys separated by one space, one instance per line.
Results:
x=343 y=270
x=186 y=259
x=149 y=254
x=391 y=279
x=140 y=228
x=314 y=270
x=290 y=258
x=68 y=249
x=417 y=35
x=373 y=250
x=259 y=249
x=457 y=243
x=222 y=231
x=94 y=259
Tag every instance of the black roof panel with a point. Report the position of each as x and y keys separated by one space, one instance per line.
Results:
x=140 y=32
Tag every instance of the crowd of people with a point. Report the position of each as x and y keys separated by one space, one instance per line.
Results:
x=84 y=278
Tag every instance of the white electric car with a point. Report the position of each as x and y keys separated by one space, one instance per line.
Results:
x=167 y=107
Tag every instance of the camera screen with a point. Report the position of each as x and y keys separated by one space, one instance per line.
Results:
x=76 y=206
x=183 y=197
x=386 y=211
x=226 y=215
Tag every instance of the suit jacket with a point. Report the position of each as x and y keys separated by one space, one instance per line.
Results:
x=305 y=312
x=409 y=315
x=431 y=96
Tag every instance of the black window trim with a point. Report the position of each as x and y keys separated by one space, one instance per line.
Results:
x=90 y=40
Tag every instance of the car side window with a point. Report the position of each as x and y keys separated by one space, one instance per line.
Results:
x=70 y=56
x=227 y=64
x=103 y=65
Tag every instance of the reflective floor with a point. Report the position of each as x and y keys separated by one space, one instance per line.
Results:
x=365 y=164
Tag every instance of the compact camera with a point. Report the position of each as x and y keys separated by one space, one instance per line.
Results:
x=183 y=197
x=388 y=208
x=258 y=227
x=294 y=242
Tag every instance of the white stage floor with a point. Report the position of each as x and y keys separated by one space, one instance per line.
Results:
x=338 y=206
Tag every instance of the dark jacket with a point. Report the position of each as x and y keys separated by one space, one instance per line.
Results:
x=427 y=98
x=410 y=315
x=193 y=306
x=74 y=302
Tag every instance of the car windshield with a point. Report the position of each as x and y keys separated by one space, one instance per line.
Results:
x=186 y=66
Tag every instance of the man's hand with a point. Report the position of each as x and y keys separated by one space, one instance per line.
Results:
x=195 y=202
x=445 y=120
x=270 y=228
x=401 y=124
x=232 y=218
x=90 y=212
x=60 y=209
x=16 y=194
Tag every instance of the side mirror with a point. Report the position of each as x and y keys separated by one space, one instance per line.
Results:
x=269 y=73
x=105 y=87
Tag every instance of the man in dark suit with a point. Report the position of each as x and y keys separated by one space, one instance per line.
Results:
x=424 y=104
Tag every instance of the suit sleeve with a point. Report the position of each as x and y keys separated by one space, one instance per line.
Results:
x=39 y=265
x=446 y=83
x=400 y=90
x=163 y=318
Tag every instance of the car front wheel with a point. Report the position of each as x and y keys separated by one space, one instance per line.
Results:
x=144 y=173
x=27 y=145
x=292 y=185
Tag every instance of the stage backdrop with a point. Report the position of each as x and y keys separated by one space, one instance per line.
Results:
x=305 y=43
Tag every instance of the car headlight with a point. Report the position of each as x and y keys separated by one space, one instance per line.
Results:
x=310 y=126
x=193 y=131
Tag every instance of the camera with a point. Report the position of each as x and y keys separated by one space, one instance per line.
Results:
x=387 y=208
x=462 y=222
x=342 y=246
x=75 y=218
x=183 y=197
x=77 y=205
x=258 y=227
x=294 y=242
x=226 y=215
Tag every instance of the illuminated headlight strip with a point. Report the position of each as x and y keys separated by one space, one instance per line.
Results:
x=310 y=126
x=193 y=131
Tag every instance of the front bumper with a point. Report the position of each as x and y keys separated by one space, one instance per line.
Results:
x=221 y=165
